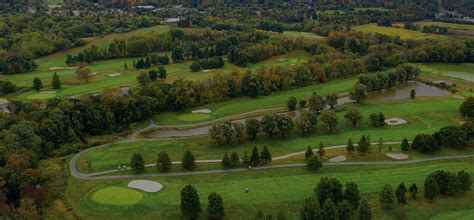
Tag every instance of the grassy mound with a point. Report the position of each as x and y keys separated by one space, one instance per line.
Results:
x=117 y=196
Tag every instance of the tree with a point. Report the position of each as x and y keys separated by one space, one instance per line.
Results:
x=329 y=210
x=225 y=163
x=239 y=131
x=424 y=143
x=254 y=157
x=56 y=81
x=308 y=153
x=163 y=162
x=358 y=92
x=467 y=108
x=291 y=103
x=316 y=103
x=234 y=159
x=353 y=116
x=400 y=194
x=386 y=196
x=265 y=156
x=321 y=150
x=195 y=66
x=188 y=162
x=302 y=103
x=162 y=73
x=143 y=77
x=452 y=136
x=412 y=94
x=413 y=190
x=329 y=188
x=125 y=66
x=465 y=180
x=329 y=118
x=363 y=146
x=137 y=164
x=37 y=84
x=352 y=194
x=311 y=210
x=190 y=204
x=364 y=212
x=331 y=100
x=307 y=122
x=84 y=73
x=345 y=210
x=28 y=210
x=177 y=55
x=314 y=163
x=350 y=146
x=431 y=190
x=405 y=146
x=252 y=127
x=215 y=210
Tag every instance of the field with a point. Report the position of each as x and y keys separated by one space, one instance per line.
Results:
x=448 y=25
x=393 y=31
x=423 y=116
x=268 y=190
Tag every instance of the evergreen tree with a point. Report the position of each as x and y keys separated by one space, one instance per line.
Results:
x=225 y=163
x=309 y=152
x=311 y=210
x=364 y=212
x=400 y=193
x=345 y=210
x=465 y=180
x=163 y=162
x=413 y=190
x=234 y=159
x=412 y=94
x=265 y=155
x=350 y=146
x=215 y=210
x=364 y=145
x=352 y=194
x=56 y=81
x=188 y=162
x=125 y=66
x=314 y=163
x=329 y=210
x=291 y=104
x=137 y=163
x=37 y=84
x=245 y=159
x=386 y=196
x=329 y=188
x=405 y=145
x=321 y=152
x=431 y=188
x=190 y=204
x=255 y=157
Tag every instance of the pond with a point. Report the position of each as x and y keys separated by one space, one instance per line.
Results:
x=402 y=91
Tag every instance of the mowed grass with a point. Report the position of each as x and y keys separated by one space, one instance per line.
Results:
x=245 y=104
x=307 y=35
x=117 y=196
x=393 y=32
x=271 y=190
x=469 y=27
x=461 y=74
x=466 y=214
x=423 y=116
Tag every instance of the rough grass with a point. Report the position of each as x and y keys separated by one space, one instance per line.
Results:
x=469 y=27
x=281 y=189
x=423 y=116
x=117 y=196
x=393 y=31
x=460 y=74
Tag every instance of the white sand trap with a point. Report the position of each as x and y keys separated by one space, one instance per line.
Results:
x=281 y=60
x=206 y=70
x=337 y=159
x=205 y=111
x=145 y=185
x=94 y=73
x=115 y=74
x=56 y=68
x=397 y=156
x=395 y=121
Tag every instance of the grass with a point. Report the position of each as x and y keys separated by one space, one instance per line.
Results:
x=117 y=196
x=245 y=104
x=393 y=31
x=423 y=116
x=307 y=35
x=468 y=27
x=194 y=117
x=466 y=214
x=280 y=189
x=462 y=74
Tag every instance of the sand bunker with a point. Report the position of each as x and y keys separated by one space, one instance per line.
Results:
x=395 y=121
x=397 y=156
x=145 y=185
x=115 y=74
x=56 y=68
x=206 y=70
x=205 y=111
x=337 y=159
x=281 y=60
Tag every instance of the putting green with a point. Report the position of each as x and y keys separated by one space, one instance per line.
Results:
x=117 y=196
x=41 y=96
x=194 y=117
